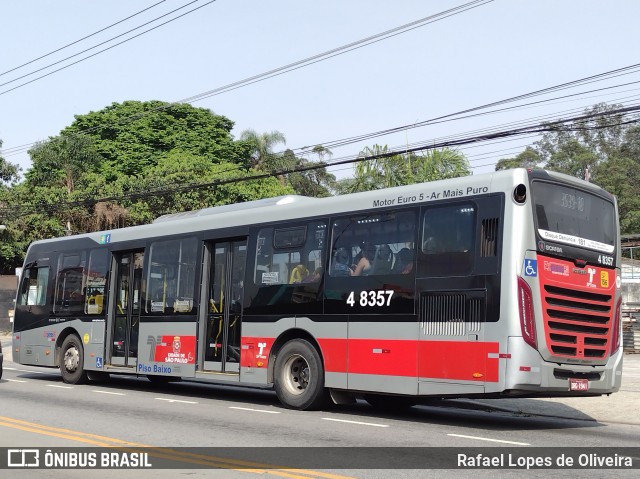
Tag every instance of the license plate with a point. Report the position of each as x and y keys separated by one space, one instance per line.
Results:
x=578 y=384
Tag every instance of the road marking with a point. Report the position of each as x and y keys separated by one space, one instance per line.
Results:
x=165 y=453
x=355 y=422
x=490 y=440
x=26 y=371
x=107 y=392
x=176 y=400
x=59 y=386
x=254 y=410
x=16 y=381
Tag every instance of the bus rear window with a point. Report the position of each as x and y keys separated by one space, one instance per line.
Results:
x=569 y=215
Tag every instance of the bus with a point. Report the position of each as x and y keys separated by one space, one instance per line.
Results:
x=505 y=284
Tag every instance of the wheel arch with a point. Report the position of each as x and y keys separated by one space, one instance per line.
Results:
x=66 y=332
x=286 y=336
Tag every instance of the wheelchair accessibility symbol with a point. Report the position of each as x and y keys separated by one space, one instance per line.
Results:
x=99 y=362
x=530 y=267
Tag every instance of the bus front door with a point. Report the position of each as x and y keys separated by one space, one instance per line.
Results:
x=224 y=316
x=126 y=324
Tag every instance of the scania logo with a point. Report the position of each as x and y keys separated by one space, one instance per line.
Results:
x=541 y=245
x=555 y=249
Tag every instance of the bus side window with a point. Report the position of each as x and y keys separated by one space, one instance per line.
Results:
x=33 y=290
x=379 y=238
x=171 y=277
x=448 y=240
x=96 y=281
x=70 y=283
x=289 y=264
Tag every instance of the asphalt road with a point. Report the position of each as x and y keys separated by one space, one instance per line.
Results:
x=38 y=410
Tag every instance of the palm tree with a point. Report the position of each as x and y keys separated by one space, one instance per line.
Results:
x=262 y=145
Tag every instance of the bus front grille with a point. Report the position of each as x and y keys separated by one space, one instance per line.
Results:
x=577 y=323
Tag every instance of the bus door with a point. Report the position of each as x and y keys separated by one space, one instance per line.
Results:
x=224 y=303
x=458 y=289
x=128 y=296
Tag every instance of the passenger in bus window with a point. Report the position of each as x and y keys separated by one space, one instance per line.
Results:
x=430 y=245
x=341 y=263
x=363 y=267
x=314 y=277
x=298 y=274
x=383 y=260
x=404 y=261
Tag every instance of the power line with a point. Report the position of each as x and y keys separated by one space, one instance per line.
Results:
x=550 y=126
x=81 y=39
x=289 y=67
x=103 y=50
x=562 y=86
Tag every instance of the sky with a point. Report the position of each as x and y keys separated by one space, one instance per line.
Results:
x=497 y=50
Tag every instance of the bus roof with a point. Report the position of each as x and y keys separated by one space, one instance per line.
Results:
x=291 y=207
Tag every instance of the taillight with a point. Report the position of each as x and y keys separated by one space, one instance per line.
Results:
x=615 y=340
x=525 y=307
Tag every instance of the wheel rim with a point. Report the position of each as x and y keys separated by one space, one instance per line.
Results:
x=71 y=359
x=296 y=375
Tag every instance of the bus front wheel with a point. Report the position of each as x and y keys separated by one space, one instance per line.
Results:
x=299 y=376
x=72 y=360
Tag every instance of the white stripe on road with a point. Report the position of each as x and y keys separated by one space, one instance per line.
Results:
x=254 y=410
x=16 y=381
x=107 y=392
x=355 y=422
x=58 y=386
x=490 y=440
x=25 y=371
x=176 y=400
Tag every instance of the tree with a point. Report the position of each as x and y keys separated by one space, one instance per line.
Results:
x=386 y=170
x=529 y=158
x=316 y=181
x=9 y=173
x=439 y=164
x=60 y=163
x=604 y=143
x=261 y=144
x=133 y=136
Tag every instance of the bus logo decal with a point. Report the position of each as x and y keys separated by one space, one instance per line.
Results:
x=530 y=267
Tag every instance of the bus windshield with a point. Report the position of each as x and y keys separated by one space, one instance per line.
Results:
x=572 y=216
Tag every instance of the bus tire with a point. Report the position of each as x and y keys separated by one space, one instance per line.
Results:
x=299 y=376
x=72 y=361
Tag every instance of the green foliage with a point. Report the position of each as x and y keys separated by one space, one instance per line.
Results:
x=103 y=169
x=529 y=158
x=261 y=149
x=9 y=173
x=184 y=170
x=601 y=143
x=133 y=136
x=387 y=170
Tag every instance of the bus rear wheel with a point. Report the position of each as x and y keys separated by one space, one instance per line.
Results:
x=299 y=376
x=72 y=360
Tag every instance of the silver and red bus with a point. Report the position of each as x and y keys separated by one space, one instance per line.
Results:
x=504 y=284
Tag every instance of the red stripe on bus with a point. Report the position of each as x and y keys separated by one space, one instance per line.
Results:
x=389 y=357
x=452 y=360
x=334 y=354
x=459 y=360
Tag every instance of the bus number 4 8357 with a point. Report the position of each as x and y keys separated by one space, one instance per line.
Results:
x=371 y=298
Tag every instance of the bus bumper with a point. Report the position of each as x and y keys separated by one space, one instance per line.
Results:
x=528 y=373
